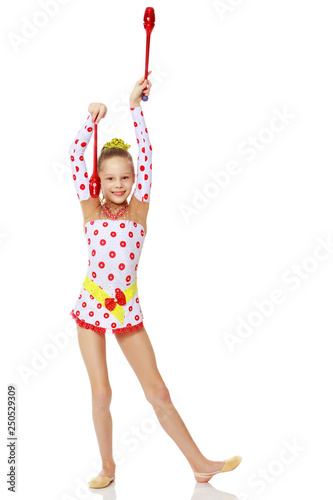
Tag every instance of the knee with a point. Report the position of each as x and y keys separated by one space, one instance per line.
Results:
x=158 y=394
x=101 y=398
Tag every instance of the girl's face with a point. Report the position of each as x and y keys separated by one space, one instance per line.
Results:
x=117 y=178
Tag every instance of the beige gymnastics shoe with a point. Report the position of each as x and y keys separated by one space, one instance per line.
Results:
x=100 y=481
x=230 y=464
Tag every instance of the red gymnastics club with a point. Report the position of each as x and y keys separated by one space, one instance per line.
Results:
x=95 y=181
x=148 y=23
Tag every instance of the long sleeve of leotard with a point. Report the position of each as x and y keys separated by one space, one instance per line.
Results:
x=144 y=161
x=78 y=164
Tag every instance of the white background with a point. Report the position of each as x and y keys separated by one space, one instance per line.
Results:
x=220 y=73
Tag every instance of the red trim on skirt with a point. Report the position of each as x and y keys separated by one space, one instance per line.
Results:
x=99 y=329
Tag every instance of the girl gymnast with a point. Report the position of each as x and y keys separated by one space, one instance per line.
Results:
x=108 y=301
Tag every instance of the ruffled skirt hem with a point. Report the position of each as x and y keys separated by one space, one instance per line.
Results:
x=99 y=329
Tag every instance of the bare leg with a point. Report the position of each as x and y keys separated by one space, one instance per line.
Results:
x=138 y=350
x=93 y=350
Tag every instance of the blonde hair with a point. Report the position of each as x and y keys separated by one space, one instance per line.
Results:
x=116 y=147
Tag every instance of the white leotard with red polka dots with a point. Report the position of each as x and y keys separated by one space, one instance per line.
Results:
x=108 y=301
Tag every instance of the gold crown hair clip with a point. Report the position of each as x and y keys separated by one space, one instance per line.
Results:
x=116 y=143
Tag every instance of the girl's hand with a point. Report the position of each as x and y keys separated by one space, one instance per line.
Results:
x=97 y=110
x=136 y=95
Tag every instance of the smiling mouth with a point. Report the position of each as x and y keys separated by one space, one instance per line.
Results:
x=118 y=192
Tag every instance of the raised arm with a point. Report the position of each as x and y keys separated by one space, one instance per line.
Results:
x=97 y=111
x=78 y=164
x=144 y=160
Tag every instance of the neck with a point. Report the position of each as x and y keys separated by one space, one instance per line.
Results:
x=110 y=205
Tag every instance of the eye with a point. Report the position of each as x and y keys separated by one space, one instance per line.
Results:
x=126 y=177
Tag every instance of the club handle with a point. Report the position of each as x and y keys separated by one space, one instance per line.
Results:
x=95 y=181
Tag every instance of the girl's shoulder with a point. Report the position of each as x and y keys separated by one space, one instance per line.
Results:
x=139 y=207
x=90 y=208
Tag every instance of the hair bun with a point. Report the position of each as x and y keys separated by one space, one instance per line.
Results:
x=116 y=143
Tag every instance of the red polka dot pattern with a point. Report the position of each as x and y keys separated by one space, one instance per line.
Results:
x=144 y=160
x=114 y=246
x=78 y=165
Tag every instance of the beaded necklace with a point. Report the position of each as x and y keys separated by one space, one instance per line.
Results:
x=117 y=214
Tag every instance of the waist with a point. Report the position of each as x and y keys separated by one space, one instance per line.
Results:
x=113 y=302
